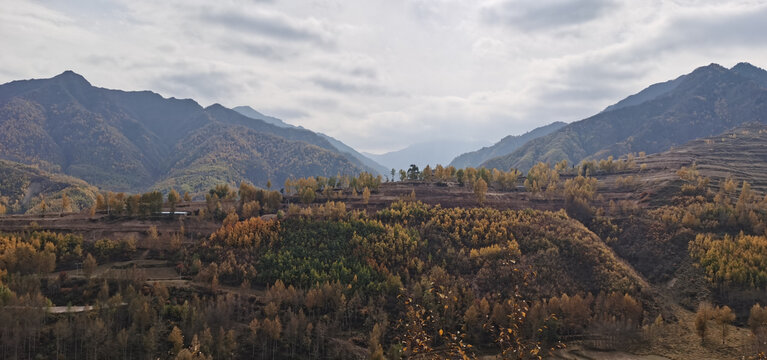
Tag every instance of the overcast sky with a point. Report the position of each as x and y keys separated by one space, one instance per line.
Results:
x=380 y=75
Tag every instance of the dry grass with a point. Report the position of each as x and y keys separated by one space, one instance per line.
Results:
x=679 y=341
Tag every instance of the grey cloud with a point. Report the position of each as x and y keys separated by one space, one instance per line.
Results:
x=590 y=81
x=342 y=86
x=286 y=113
x=745 y=28
x=701 y=33
x=197 y=85
x=272 y=26
x=261 y=50
x=543 y=14
x=323 y=103
x=364 y=72
x=102 y=60
x=609 y=76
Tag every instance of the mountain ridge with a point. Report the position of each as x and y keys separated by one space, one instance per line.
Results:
x=354 y=155
x=707 y=101
x=125 y=140
x=503 y=146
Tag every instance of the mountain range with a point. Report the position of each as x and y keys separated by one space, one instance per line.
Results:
x=337 y=144
x=134 y=141
x=705 y=102
x=505 y=146
x=425 y=153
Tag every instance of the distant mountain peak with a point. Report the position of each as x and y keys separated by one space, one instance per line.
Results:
x=71 y=77
x=216 y=106
x=248 y=109
x=746 y=66
x=712 y=68
x=755 y=73
x=705 y=102
x=253 y=114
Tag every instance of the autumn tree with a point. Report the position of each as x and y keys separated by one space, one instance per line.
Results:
x=724 y=317
x=307 y=195
x=66 y=204
x=100 y=202
x=43 y=205
x=579 y=192
x=427 y=173
x=173 y=198
x=374 y=342
x=757 y=322
x=702 y=316
x=223 y=191
x=251 y=209
x=480 y=190
x=175 y=242
x=541 y=178
x=89 y=265
x=460 y=176
x=508 y=180
x=176 y=338
x=133 y=205
x=366 y=196
x=153 y=237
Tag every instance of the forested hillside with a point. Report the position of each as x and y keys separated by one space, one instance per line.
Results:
x=25 y=188
x=129 y=140
x=406 y=281
x=364 y=161
x=215 y=155
x=655 y=254
x=704 y=103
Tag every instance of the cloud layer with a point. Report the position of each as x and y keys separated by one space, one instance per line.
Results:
x=380 y=75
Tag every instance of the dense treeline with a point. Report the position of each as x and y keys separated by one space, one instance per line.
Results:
x=331 y=188
x=739 y=260
x=448 y=263
x=502 y=180
x=701 y=208
x=410 y=280
x=728 y=224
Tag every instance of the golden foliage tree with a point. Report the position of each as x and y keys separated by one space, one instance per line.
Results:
x=89 y=266
x=702 y=316
x=66 y=204
x=365 y=195
x=480 y=190
x=541 y=178
x=173 y=198
x=176 y=338
x=724 y=317
x=757 y=323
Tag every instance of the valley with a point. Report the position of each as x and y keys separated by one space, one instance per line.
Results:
x=231 y=234
x=667 y=284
